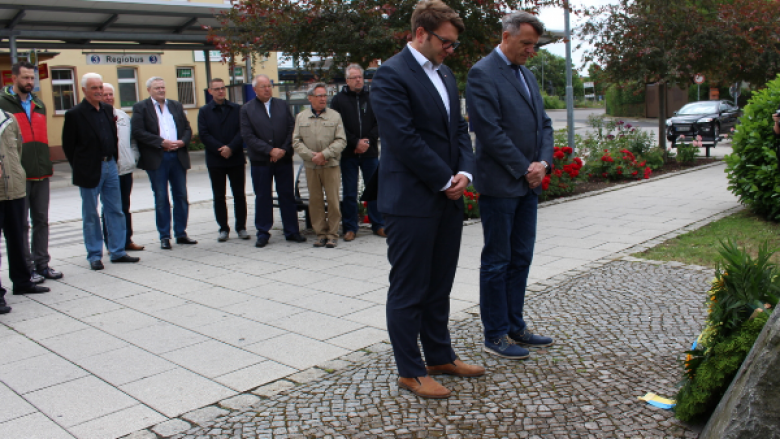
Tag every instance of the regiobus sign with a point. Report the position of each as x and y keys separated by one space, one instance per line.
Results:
x=123 y=59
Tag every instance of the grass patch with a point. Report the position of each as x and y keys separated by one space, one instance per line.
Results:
x=701 y=246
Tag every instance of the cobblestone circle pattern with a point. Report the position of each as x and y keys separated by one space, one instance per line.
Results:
x=619 y=330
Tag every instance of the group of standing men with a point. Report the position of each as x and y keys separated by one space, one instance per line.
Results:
x=427 y=162
x=334 y=144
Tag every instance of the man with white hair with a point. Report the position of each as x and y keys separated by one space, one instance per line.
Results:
x=89 y=140
x=126 y=162
x=163 y=132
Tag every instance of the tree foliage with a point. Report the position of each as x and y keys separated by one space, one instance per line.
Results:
x=554 y=74
x=357 y=31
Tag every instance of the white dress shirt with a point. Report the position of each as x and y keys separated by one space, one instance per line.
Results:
x=268 y=107
x=165 y=120
x=433 y=74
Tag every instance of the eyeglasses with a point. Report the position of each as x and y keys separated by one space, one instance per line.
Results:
x=354 y=77
x=219 y=89
x=445 y=43
x=319 y=96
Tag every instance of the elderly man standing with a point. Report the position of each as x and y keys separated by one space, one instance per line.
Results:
x=319 y=139
x=89 y=140
x=126 y=162
x=362 y=151
x=163 y=132
x=12 y=218
x=514 y=151
x=30 y=113
x=219 y=127
x=267 y=127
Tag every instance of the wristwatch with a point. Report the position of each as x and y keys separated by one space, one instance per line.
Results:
x=546 y=166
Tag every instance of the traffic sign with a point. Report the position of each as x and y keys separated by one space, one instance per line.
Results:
x=698 y=78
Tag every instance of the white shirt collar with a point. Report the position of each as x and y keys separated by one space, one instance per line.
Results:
x=424 y=62
x=502 y=55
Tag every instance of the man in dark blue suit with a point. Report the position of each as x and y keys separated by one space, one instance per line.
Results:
x=267 y=127
x=514 y=152
x=426 y=163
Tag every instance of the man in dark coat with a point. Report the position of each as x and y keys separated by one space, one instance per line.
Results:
x=219 y=127
x=267 y=126
x=361 y=153
x=427 y=162
x=163 y=132
x=89 y=140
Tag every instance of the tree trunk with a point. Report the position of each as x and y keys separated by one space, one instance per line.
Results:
x=662 y=115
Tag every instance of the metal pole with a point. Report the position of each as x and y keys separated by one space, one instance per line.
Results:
x=249 y=77
x=569 y=88
x=12 y=45
x=542 y=70
x=207 y=59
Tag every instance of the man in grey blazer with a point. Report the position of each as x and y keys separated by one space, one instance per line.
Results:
x=514 y=150
x=163 y=132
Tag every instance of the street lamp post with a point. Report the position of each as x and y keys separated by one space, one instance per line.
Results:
x=569 y=88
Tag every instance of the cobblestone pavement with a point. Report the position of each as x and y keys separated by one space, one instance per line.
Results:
x=619 y=331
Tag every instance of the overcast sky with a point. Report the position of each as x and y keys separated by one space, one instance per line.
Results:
x=553 y=19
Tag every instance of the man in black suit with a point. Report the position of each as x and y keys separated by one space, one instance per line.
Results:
x=514 y=152
x=267 y=126
x=219 y=126
x=90 y=142
x=163 y=132
x=426 y=163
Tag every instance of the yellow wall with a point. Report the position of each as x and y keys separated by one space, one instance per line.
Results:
x=77 y=60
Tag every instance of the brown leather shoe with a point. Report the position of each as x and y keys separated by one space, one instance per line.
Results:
x=457 y=368
x=349 y=236
x=134 y=247
x=424 y=387
x=381 y=232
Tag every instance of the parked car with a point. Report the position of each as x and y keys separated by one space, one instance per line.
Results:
x=703 y=118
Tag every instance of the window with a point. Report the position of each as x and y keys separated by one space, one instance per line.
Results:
x=128 y=87
x=185 y=83
x=63 y=88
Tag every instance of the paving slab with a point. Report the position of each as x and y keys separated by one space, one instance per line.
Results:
x=304 y=307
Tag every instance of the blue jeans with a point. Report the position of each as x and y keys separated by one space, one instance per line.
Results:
x=349 y=182
x=111 y=199
x=509 y=228
x=170 y=171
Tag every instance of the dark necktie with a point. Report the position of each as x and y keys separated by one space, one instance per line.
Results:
x=521 y=79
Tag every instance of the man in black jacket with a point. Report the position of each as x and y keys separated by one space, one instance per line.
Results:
x=89 y=140
x=267 y=126
x=163 y=132
x=219 y=126
x=361 y=152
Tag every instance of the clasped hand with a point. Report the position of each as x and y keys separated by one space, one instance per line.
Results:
x=535 y=174
x=172 y=145
x=458 y=185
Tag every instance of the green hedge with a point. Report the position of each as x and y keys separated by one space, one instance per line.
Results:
x=623 y=102
x=752 y=167
x=704 y=94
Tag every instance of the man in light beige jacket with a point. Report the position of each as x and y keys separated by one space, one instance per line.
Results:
x=319 y=139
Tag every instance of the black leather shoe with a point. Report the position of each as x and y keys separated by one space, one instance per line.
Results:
x=5 y=309
x=126 y=258
x=185 y=240
x=296 y=238
x=96 y=265
x=49 y=273
x=35 y=289
x=261 y=242
x=165 y=244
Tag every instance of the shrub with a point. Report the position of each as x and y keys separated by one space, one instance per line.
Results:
x=553 y=102
x=196 y=144
x=743 y=293
x=616 y=134
x=565 y=172
x=626 y=101
x=752 y=167
x=687 y=152
x=470 y=203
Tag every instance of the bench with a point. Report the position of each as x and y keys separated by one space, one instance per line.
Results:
x=301 y=194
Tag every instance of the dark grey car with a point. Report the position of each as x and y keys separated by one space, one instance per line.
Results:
x=707 y=119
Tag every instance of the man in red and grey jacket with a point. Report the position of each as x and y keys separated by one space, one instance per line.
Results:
x=30 y=113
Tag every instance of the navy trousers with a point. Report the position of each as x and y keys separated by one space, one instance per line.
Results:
x=509 y=228
x=13 y=223
x=263 y=177
x=423 y=253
